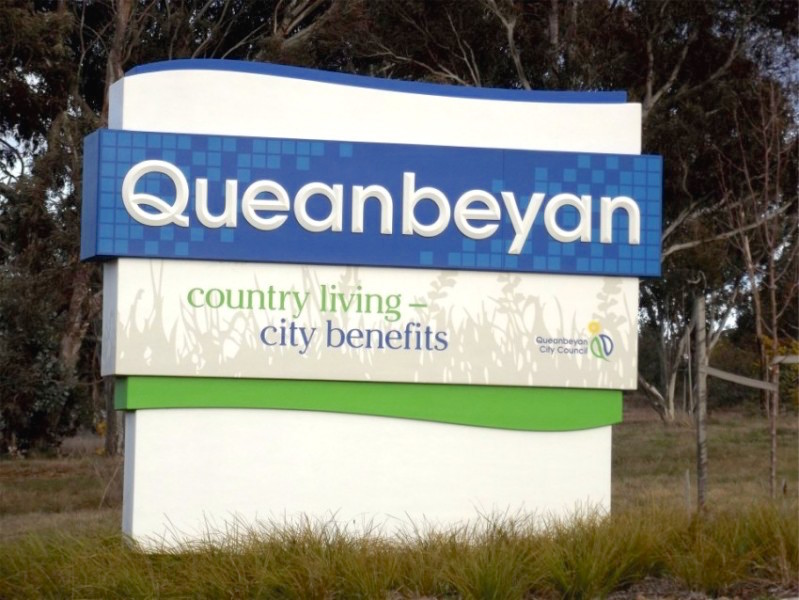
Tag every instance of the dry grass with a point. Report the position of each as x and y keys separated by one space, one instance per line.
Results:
x=59 y=536
x=750 y=553
x=60 y=485
x=650 y=460
x=77 y=522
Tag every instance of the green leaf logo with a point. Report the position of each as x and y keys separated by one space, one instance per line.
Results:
x=601 y=344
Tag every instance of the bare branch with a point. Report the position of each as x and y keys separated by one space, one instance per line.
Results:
x=309 y=29
x=17 y=157
x=440 y=71
x=652 y=97
x=787 y=298
x=297 y=14
x=685 y=339
x=509 y=23
x=114 y=62
x=554 y=25
x=658 y=401
x=694 y=211
x=734 y=51
x=200 y=13
x=723 y=236
x=245 y=40
x=275 y=20
x=468 y=59
x=789 y=261
x=731 y=306
x=212 y=35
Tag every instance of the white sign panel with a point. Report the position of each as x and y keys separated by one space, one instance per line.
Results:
x=194 y=318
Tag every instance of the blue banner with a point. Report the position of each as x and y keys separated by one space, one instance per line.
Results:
x=162 y=195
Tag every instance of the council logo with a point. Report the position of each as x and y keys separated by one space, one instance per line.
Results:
x=601 y=344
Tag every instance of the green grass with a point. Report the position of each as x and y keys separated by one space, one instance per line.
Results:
x=59 y=536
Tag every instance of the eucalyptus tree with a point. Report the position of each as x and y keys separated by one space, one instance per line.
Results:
x=58 y=59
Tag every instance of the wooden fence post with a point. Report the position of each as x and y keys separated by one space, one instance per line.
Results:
x=700 y=352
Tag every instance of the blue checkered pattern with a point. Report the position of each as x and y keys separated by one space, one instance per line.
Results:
x=639 y=177
x=109 y=231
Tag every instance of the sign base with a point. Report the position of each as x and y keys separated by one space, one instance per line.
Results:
x=199 y=475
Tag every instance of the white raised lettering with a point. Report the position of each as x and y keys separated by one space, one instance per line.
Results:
x=360 y=195
x=228 y=216
x=464 y=212
x=606 y=208
x=166 y=213
x=521 y=225
x=411 y=197
x=583 y=229
x=333 y=221
x=265 y=205
x=250 y=204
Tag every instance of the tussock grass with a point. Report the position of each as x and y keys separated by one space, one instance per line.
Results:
x=592 y=556
x=718 y=555
x=59 y=535
x=750 y=552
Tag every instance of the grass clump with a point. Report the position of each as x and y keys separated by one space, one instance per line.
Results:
x=592 y=556
x=495 y=559
x=59 y=536
x=748 y=553
x=723 y=554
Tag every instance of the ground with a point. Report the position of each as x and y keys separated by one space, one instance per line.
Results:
x=81 y=489
x=60 y=517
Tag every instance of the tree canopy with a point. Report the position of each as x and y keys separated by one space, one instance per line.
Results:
x=716 y=80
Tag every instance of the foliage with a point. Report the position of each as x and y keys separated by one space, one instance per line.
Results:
x=697 y=68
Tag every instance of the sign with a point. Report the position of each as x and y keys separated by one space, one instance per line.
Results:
x=375 y=302
x=274 y=321
x=300 y=201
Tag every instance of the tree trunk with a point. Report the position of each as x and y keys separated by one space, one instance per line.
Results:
x=554 y=25
x=773 y=370
x=701 y=398
x=666 y=368
x=113 y=72
x=77 y=323
x=114 y=67
x=774 y=414
x=758 y=316
x=671 y=387
x=113 y=419
x=691 y=397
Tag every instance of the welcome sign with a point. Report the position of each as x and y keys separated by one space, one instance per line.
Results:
x=346 y=203
x=340 y=291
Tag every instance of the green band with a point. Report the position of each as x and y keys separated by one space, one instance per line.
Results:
x=522 y=408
